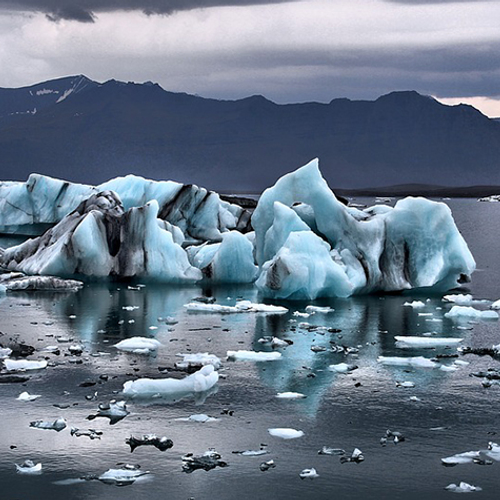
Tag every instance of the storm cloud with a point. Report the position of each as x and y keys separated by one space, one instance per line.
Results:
x=86 y=10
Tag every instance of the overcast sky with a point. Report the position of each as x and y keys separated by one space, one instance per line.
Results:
x=289 y=51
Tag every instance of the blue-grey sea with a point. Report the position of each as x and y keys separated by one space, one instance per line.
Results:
x=445 y=413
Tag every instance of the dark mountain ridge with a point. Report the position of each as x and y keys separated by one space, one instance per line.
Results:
x=98 y=131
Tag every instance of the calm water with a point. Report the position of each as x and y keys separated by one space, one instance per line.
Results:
x=340 y=411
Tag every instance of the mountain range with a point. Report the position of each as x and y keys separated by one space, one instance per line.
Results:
x=84 y=131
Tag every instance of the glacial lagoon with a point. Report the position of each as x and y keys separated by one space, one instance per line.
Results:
x=440 y=413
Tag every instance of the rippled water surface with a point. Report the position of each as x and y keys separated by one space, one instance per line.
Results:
x=454 y=412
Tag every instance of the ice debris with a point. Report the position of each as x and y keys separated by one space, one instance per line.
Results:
x=197 y=360
x=21 y=365
x=200 y=381
x=161 y=444
x=265 y=466
x=202 y=418
x=243 y=306
x=5 y=352
x=207 y=461
x=331 y=451
x=414 y=362
x=29 y=467
x=114 y=410
x=26 y=396
x=412 y=342
x=309 y=474
x=138 y=345
x=342 y=368
x=464 y=313
x=397 y=437
x=416 y=304
x=459 y=299
x=290 y=395
x=57 y=425
x=243 y=355
x=122 y=477
x=285 y=433
x=356 y=457
x=321 y=310
x=462 y=487
x=90 y=433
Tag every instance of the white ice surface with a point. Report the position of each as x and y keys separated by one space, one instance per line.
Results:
x=21 y=365
x=243 y=306
x=253 y=355
x=138 y=344
x=416 y=361
x=459 y=313
x=425 y=342
x=285 y=433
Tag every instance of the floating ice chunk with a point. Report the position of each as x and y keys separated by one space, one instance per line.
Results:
x=445 y=368
x=458 y=313
x=90 y=433
x=461 y=362
x=243 y=355
x=342 y=368
x=58 y=424
x=114 y=410
x=331 y=451
x=21 y=365
x=425 y=342
x=26 y=396
x=467 y=457
x=161 y=444
x=265 y=466
x=317 y=309
x=285 y=433
x=416 y=361
x=301 y=314
x=138 y=345
x=406 y=384
x=122 y=477
x=309 y=474
x=416 y=304
x=462 y=488
x=251 y=453
x=290 y=395
x=29 y=467
x=200 y=381
x=5 y=352
x=495 y=305
x=130 y=308
x=208 y=461
x=414 y=399
x=243 y=306
x=198 y=360
x=356 y=457
x=199 y=417
x=459 y=299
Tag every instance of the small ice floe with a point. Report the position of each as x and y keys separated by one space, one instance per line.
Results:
x=26 y=396
x=21 y=365
x=356 y=457
x=5 y=352
x=496 y=304
x=309 y=474
x=464 y=313
x=243 y=355
x=462 y=488
x=416 y=304
x=90 y=433
x=243 y=306
x=138 y=345
x=114 y=410
x=290 y=395
x=130 y=308
x=75 y=349
x=265 y=466
x=403 y=342
x=275 y=342
x=342 y=368
x=198 y=360
x=161 y=444
x=459 y=299
x=318 y=348
x=122 y=477
x=208 y=461
x=29 y=467
x=199 y=417
x=415 y=361
x=448 y=368
x=397 y=437
x=299 y=314
x=251 y=453
x=320 y=310
x=200 y=381
x=331 y=451
x=285 y=433
x=460 y=362
x=405 y=384
x=414 y=399
x=57 y=425
x=467 y=457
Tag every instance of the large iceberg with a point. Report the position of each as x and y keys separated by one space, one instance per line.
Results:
x=306 y=244
x=327 y=249
x=25 y=207
x=100 y=239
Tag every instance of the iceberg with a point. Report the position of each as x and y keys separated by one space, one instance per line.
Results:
x=465 y=313
x=415 y=362
x=161 y=444
x=122 y=477
x=462 y=487
x=21 y=365
x=29 y=467
x=26 y=396
x=344 y=251
x=200 y=381
x=425 y=342
x=57 y=425
x=198 y=360
x=100 y=239
x=138 y=345
x=290 y=395
x=253 y=355
x=41 y=200
x=243 y=306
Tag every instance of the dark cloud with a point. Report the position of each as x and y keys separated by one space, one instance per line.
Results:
x=86 y=10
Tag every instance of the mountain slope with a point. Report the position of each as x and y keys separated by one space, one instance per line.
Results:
x=115 y=128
